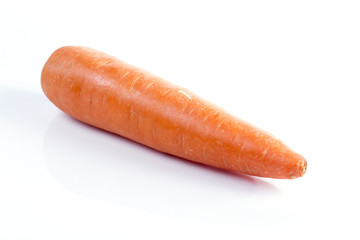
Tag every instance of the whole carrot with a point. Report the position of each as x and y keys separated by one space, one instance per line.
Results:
x=105 y=92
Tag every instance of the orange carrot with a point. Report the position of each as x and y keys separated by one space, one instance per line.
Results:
x=105 y=92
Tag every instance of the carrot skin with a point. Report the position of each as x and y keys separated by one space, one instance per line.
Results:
x=105 y=92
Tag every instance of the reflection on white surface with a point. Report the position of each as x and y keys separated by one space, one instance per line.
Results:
x=104 y=166
x=26 y=111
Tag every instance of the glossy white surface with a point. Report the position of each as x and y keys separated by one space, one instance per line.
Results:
x=292 y=69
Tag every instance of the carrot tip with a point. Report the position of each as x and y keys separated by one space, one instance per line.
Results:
x=302 y=167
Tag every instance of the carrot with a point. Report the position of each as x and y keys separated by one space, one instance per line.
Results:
x=105 y=92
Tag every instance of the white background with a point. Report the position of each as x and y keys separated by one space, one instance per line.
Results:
x=290 y=67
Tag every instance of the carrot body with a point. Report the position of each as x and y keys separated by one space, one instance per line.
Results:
x=105 y=92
